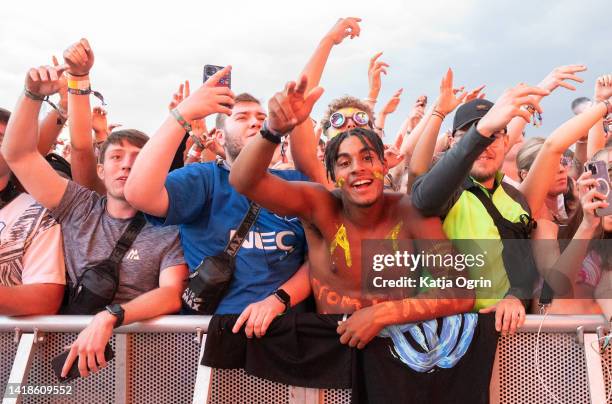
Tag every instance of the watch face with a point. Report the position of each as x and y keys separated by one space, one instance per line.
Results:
x=114 y=309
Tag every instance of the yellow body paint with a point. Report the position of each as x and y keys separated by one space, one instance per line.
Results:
x=341 y=240
x=379 y=176
x=394 y=233
x=340 y=182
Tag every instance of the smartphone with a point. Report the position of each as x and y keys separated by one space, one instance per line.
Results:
x=599 y=171
x=210 y=70
x=58 y=363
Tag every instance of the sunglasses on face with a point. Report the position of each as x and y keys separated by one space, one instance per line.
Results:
x=565 y=161
x=338 y=119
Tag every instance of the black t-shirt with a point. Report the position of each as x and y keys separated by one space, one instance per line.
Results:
x=447 y=360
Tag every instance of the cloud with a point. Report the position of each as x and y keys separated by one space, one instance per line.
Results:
x=143 y=51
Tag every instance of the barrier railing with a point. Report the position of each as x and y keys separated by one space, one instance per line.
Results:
x=158 y=361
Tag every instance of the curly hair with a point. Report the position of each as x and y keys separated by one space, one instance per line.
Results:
x=370 y=140
x=345 y=102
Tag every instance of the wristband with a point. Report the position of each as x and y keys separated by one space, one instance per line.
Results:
x=196 y=140
x=79 y=84
x=179 y=118
x=76 y=76
x=87 y=91
x=43 y=98
x=372 y=100
x=438 y=114
x=192 y=153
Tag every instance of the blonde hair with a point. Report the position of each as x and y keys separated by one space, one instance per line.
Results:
x=528 y=153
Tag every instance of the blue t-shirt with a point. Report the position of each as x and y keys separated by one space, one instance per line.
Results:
x=208 y=210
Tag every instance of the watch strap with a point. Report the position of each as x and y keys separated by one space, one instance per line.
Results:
x=117 y=311
x=284 y=298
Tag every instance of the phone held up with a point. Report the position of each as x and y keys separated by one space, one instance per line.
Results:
x=599 y=171
x=210 y=70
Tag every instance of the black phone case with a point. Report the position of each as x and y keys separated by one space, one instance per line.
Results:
x=58 y=363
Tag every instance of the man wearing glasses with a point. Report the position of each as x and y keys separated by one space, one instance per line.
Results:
x=473 y=164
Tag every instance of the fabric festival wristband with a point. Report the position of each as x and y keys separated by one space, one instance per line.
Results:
x=43 y=98
x=179 y=118
x=87 y=91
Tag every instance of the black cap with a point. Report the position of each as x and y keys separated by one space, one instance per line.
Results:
x=470 y=112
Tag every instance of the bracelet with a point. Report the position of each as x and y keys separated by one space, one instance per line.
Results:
x=87 y=91
x=269 y=135
x=196 y=140
x=179 y=118
x=193 y=154
x=43 y=98
x=77 y=75
x=372 y=100
x=438 y=114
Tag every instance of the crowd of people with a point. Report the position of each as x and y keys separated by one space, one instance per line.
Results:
x=269 y=210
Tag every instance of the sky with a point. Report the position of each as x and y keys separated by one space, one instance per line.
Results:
x=143 y=51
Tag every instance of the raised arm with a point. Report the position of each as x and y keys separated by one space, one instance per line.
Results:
x=597 y=135
x=20 y=145
x=434 y=191
x=145 y=187
x=249 y=174
x=560 y=270
x=52 y=125
x=542 y=172
x=80 y=58
x=375 y=69
x=303 y=140
x=446 y=103
x=387 y=110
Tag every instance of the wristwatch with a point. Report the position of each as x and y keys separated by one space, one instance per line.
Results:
x=269 y=135
x=284 y=298
x=117 y=311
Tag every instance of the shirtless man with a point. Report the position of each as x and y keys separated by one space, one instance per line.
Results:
x=336 y=222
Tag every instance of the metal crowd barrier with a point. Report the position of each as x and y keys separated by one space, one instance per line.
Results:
x=158 y=361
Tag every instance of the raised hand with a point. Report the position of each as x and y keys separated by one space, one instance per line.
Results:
x=557 y=77
x=603 y=87
x=182 y=93
x=392 y=104
x=343 y=28
x=590 y=200
x=474 y=94
x=63 y=90
x=45 y=80
x=292 y=106
x=375 y=69
x=208 y=99
x=509 y=106
x=417 y=112
x=393 y=156
x=79 y=57
x=99 y=121
x=450 y=98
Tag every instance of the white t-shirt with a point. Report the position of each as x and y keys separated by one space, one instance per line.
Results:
x=30 y=244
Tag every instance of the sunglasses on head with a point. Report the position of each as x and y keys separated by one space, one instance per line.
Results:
x=338 y=119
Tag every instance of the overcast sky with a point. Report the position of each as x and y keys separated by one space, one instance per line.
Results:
x=143 y=51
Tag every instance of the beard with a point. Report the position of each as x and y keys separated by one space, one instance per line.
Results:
x=481 y=175
x=233 y=147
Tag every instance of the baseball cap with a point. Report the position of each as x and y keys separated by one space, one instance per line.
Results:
x=470 y=112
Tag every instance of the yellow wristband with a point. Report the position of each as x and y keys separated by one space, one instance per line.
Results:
x=78 y=84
